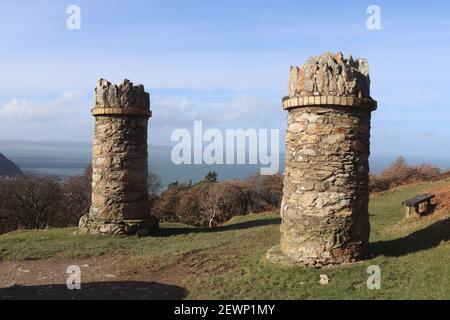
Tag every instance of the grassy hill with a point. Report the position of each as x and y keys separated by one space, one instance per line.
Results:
x=228 y=262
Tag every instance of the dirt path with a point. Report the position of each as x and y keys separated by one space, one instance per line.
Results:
x=101 y=278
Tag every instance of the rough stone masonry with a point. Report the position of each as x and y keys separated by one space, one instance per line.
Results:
x=325 y=218
x=119 y=161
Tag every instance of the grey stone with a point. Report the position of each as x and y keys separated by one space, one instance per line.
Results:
x=331 y=74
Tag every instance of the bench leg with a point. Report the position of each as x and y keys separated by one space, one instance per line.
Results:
x=412 y=211
x=408 y=212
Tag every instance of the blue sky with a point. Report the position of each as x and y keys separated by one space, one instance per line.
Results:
x=223 y=62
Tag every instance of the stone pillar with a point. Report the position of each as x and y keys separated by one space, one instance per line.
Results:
x=119 y=161
x=325 y=218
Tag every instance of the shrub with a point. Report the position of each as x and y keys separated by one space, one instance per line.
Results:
x=443 y=199
x=165 y=204
x=264 y=192
x=400 y=173
x=188 y=207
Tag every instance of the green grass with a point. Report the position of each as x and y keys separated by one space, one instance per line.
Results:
x=227 y=262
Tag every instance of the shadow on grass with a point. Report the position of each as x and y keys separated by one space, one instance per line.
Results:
x=167 y=232
x=426 y=238
x=120 y=290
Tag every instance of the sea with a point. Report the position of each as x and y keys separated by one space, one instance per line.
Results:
x=66 y=158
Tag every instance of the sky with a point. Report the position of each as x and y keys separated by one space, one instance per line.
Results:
x=223 y=62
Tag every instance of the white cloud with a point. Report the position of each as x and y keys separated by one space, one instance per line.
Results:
x=65 y=107
x=240 y=111
x=68 y=116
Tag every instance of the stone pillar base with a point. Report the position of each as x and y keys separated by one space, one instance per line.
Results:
x=118 y=227
x=340 y=256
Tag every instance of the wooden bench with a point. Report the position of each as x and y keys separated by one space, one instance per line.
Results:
x=419 y=205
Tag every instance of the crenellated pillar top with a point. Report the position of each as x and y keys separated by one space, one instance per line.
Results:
x=122 y=99
x=330 y=80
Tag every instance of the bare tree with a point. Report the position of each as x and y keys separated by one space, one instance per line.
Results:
x=77 y=191
x=7 y=220
x=34 y=201
x=212 y=202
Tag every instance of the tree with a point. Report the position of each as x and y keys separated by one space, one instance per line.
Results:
x=173 y=184
x=219 y=202
x=33 y=201
x=154 y=184
x=154 y=187
x=211 y=202
x=164 y=206
x=263 y=193
x=8 y=221
x=211 y=177
x=188 y=206
x=77 y=191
